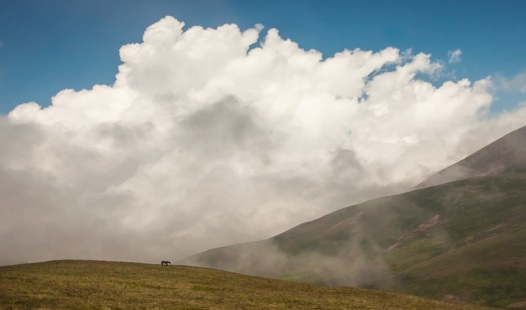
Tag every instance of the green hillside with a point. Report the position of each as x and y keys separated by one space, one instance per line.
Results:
x=463 y=241
x=113 y=285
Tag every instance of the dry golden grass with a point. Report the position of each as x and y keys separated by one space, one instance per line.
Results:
x=115 y=285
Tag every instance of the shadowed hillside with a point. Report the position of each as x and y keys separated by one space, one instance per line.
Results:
x=105 y=285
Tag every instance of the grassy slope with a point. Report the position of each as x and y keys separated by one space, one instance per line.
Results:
x=477 y=251
x=105 y=285
x=491 y=271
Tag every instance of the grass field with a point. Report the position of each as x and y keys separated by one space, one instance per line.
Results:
x=116 y=285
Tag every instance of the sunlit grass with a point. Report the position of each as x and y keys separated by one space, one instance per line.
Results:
x=111 y=285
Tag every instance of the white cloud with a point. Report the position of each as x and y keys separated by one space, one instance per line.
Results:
x=454 y=56
x=205 y=140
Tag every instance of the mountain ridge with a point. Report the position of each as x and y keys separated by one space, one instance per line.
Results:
x=390 y=243
x=504 y=155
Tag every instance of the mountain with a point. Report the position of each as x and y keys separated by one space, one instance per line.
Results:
x=117 y=285
x=505 y=155
x=462 y=241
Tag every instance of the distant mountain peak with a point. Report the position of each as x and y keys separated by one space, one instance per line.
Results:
x=503 y=156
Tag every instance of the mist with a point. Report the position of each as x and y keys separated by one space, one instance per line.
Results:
x=210 y=137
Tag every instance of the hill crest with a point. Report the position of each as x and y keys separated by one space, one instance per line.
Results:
x=117 y=285
x=504 y=155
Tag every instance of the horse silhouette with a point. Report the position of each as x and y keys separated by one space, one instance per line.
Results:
x=165 y=263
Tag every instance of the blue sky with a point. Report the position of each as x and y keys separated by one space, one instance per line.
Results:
x=47 y=46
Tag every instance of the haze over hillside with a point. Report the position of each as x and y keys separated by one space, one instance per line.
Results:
x=464 y=239
x=506 y=155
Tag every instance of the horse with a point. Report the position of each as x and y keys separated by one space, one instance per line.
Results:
x=165 y=263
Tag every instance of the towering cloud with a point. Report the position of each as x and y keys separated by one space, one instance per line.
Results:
x=208 y=138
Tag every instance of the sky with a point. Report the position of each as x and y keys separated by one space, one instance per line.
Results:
x=148 y=130
x=50 y=45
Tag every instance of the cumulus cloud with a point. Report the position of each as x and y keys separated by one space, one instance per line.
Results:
x=207 y=138
x=454 y=56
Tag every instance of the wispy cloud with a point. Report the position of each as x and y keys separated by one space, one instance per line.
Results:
x=454 y=56
x=516 y=83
